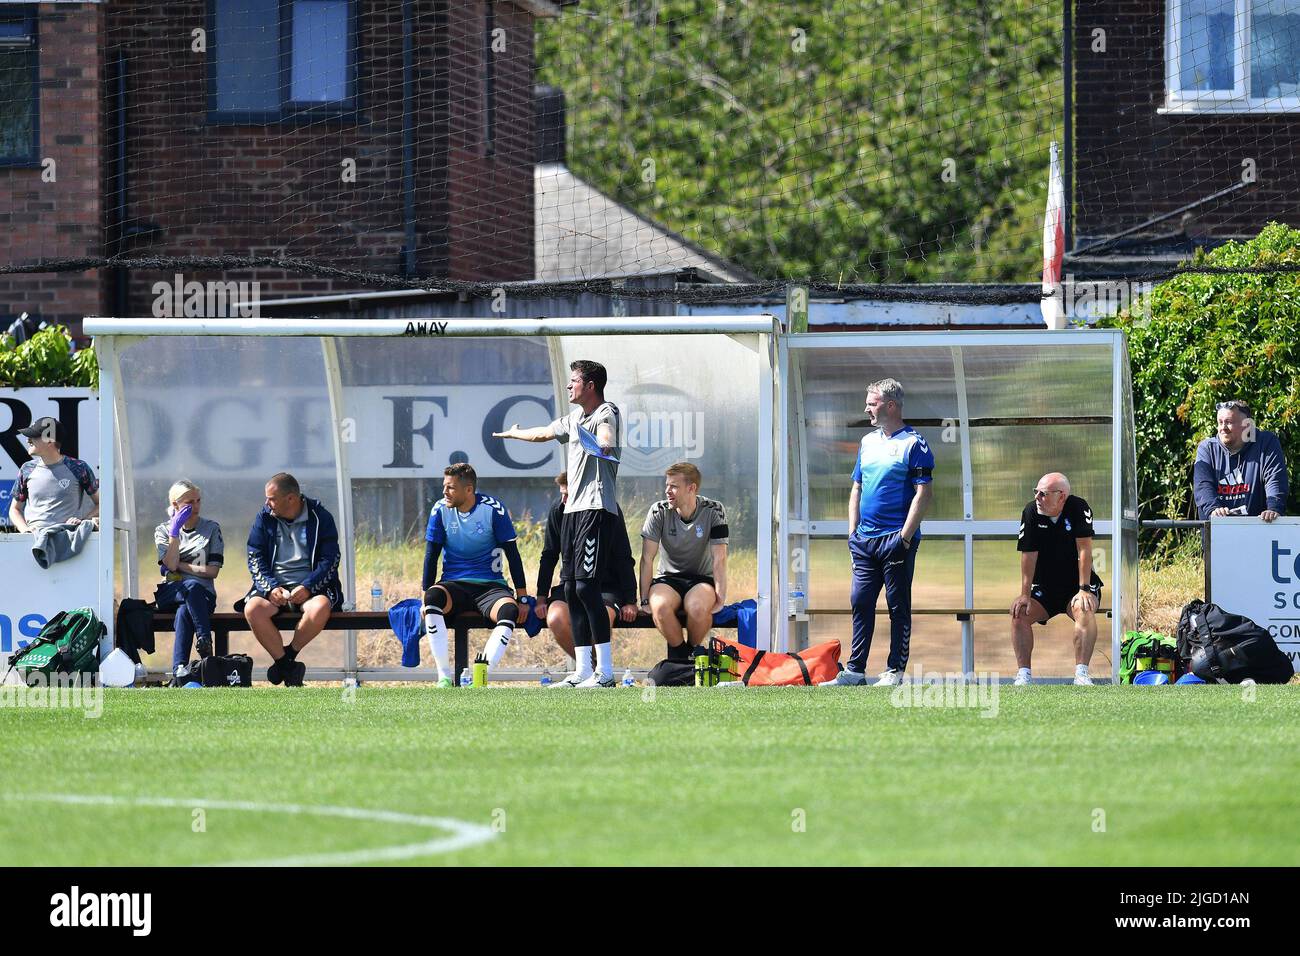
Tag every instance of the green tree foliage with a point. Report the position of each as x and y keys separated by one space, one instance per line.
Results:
x=1208 y=338
x=808 y=138
x=47 y=360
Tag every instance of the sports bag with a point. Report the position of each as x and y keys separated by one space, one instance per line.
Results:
x=1226 y=648
x=1149 y=651
x=67 y=644
x=672 y=673
x=812 y=665
x=228 y=670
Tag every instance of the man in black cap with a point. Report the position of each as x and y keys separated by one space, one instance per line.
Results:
x=52 y=488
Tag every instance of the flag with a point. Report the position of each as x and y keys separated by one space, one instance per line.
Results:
x=1053 y=246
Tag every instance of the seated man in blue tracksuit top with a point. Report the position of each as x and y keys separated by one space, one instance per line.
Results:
x=1240 y=471
x=293 y=557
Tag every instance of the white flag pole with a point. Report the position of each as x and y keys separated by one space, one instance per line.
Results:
x=1053 y=246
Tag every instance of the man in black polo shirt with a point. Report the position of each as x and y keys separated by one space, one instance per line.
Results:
x=1056 y=575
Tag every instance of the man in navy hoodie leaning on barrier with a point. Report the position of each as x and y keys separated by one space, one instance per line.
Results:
x=293 y=558
x=1240 y=471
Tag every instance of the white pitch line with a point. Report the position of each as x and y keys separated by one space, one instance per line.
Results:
x=462 y=834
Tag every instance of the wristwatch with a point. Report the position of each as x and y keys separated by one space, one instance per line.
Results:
x=1093 y=589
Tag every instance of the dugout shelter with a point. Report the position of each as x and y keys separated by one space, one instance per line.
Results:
x=999 y=410
x=367 y=413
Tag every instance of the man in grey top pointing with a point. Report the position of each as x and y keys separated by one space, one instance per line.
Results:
x=590 y=520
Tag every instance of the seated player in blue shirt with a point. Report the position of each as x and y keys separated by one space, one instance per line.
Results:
x=475 y=531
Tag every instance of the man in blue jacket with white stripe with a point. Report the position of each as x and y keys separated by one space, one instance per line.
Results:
x=1240 y=471
x=293 y=558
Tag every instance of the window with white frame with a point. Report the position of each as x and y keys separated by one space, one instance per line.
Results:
x=277 y=59
x=19 y=90
x=1233 y=56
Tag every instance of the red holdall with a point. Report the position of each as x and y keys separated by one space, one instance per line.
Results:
x=812 y=665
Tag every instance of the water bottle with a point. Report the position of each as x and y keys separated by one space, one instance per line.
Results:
x=706 y=675
x=628 y=680
x=796 y=601
x=376 y=597
x=546 y=677
x=140 y=674
x=466 y=678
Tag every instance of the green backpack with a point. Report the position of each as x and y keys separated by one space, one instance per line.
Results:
x=1148 y=651
x=67 y=644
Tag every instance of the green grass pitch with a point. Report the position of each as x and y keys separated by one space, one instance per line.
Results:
x=1061 y=775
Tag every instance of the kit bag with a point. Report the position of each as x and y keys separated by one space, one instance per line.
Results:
x=227 y=670
x=67 y=644
x=1221 y=647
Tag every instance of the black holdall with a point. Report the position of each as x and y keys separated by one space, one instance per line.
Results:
x=229 y=670
x=676 y=670
x=1225 y=648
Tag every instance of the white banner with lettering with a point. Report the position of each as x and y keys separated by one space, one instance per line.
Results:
x=1255 y=571
x=389 y=431
x=32 y=595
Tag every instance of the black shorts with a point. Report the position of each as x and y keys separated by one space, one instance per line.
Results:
x=332 y=590
x=587 y=545
x=557 y=596
x=474 y=595
x=1056 y=600
x=681 y=583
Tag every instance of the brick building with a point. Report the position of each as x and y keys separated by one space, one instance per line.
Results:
x=384 y=136
x=1185 y=112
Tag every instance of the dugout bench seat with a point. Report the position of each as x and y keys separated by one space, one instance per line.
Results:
x=960 y=613
x=224 y=622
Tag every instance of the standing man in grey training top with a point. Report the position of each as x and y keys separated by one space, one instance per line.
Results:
x=590 y=515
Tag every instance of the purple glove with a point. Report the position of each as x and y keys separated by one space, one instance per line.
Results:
x=178 y=519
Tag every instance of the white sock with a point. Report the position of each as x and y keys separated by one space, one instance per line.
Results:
x=1080 y=670
x=582 y=664
x=1024 y=672
x=497 y=644
x=605 y=659
x=437 y=628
